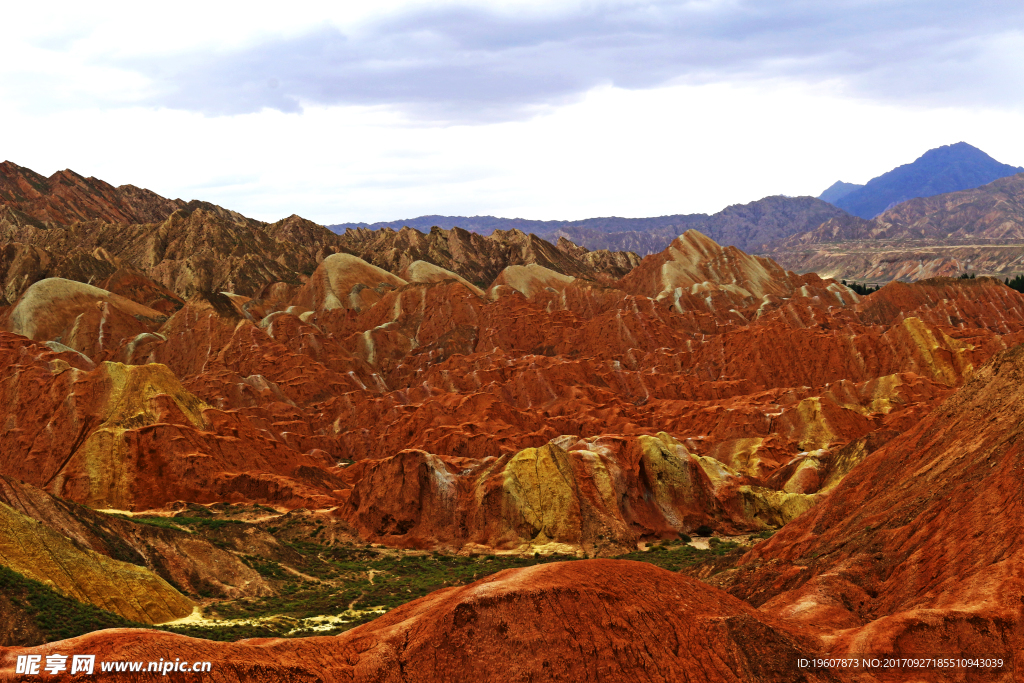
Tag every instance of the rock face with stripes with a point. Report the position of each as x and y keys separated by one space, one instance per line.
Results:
x=919 y=548
x=762 y=388
x=40 y=553
x=505 y=395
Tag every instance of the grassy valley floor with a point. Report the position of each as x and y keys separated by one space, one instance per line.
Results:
x=323 y=581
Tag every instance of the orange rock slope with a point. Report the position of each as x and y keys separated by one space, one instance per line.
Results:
x=548 y=412
x=579 y=621
x=919 y=549
x=554 y=407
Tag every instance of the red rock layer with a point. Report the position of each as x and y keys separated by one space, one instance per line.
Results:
x=919 y=549
x=578 y=621
x=258 y=399
x=132 y=437
x=66 y=197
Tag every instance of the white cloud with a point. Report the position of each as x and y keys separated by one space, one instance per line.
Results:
x=744 y=101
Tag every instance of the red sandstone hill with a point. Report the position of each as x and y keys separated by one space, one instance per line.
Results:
x=480 y=259
x=66 y=197
x=214 y=359
x=729 y=396
x=578 y=621
x=86 y=230
x=919 y=549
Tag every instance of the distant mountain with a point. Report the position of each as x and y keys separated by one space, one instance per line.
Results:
x=612 y=232
x=751 y=226
x=980 y=230
x=949 y=168
x=837 y=191
x=747 y=226
x=992 y=212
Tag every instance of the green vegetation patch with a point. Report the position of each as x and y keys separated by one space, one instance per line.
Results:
x=182 y=523
x=676 y=555
x=862 y=290
x=56 y=615
x=340 y=578
x=323 y=589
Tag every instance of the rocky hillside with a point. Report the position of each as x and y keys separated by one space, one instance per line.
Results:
x=622 y=619
x=919 y=548
x=66 y=197
x=338 y=455
x=85 y=230
x=977 y=231
x=542 y=375
x=747 y=226
x=480 y=259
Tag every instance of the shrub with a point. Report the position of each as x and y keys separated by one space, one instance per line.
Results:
x=862 y=290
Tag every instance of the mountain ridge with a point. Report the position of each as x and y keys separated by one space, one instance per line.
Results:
x=945 y=169
x=746 y=226
x=86 y=230
x=979 y=231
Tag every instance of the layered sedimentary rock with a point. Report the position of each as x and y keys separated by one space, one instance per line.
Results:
x=695 y=272
x=184 y=560
x=38 y=552
x=918 y=549
x=130 y=436
x=576 y=621
x=238 y=398
x=479 y=259
x=426 y=272
x=87 y=319
x=347 y=282
x=547 y=408
x=530 y=280
x=973 y=231
x=595 y=496
x=86 y=230
x=66 y=197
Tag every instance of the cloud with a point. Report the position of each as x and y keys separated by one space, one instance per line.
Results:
x=472 y=65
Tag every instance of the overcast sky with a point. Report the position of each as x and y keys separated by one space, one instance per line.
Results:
x=550 y=110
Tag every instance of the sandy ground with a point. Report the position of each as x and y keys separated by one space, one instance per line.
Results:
x=324 y=622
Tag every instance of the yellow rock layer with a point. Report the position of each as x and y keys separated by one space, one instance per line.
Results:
x=941 y=355
x=103 y=458
x=775 y=508
x=538 y=486
x=36 y=551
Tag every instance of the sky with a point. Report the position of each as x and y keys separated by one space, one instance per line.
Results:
x=345 y=112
